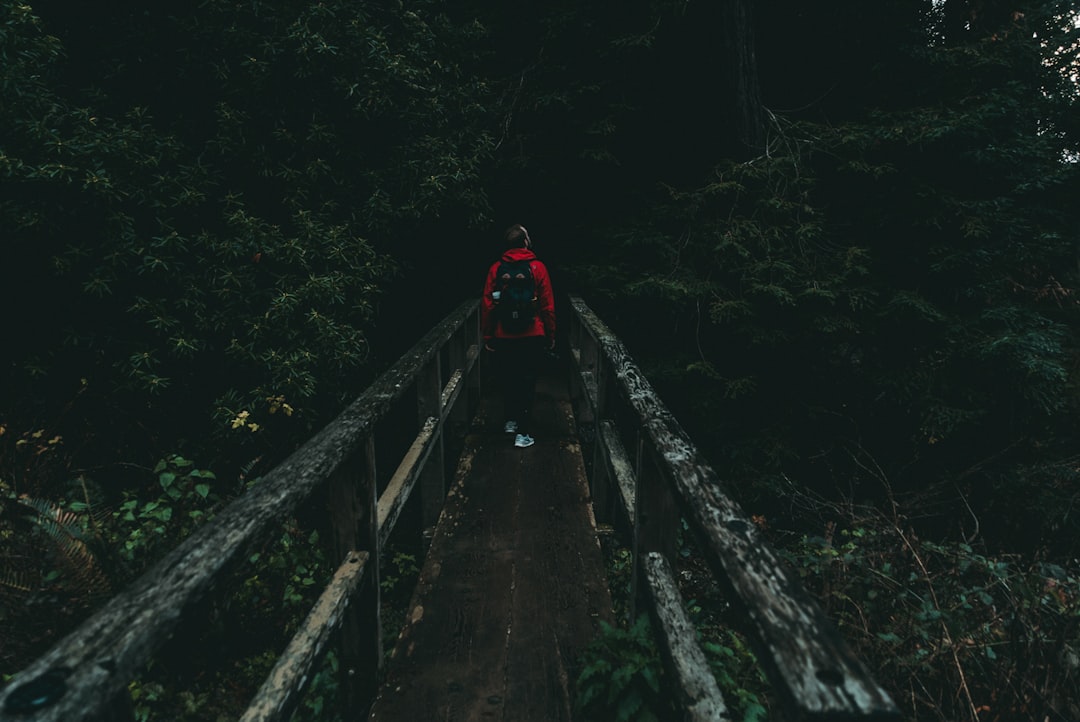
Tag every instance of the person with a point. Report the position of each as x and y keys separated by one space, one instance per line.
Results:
x=518 y=347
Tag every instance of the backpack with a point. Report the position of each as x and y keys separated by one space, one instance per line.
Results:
x=516 y=306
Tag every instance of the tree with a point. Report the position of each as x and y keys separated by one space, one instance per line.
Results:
x=223 y=191
x=841 y=289
x=740 y=62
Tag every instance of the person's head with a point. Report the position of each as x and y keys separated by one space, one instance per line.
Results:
x=517 y=237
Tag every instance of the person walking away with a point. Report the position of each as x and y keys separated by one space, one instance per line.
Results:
x=517 y=318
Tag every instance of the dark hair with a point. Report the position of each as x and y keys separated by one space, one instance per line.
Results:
x=516 y=236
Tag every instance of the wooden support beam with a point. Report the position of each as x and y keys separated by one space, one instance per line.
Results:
x=813 y=670
x=621 y=469
x=81 y=675
x=353 y=509
x=694 y=683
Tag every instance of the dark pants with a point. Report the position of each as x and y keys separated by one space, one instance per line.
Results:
x=517 y=362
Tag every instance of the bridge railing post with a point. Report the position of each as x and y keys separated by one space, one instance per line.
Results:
x=352 y=501
x=85 y=675
x=656 y=516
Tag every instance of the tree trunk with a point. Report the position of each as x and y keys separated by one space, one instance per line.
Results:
x=740 y=65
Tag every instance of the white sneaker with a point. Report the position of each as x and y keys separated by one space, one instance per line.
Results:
x=523 y=440
x=510 y=427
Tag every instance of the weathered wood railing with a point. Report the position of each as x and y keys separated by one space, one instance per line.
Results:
x=648 y=476
x=85 y=676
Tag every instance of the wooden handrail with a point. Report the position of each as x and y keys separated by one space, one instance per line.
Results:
x=85 y=675
x=655 y=474
x=816 y=674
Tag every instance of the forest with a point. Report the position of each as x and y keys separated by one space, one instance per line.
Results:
x=843 y=240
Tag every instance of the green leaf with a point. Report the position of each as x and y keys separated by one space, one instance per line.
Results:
x=628 y=706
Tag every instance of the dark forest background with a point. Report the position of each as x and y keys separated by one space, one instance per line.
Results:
x=843 y=239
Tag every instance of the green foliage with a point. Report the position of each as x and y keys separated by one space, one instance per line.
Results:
x=214 y=672
x=620 y=676
x=620 y=565
x=204 y=207
x=401 y=570
x=888 y=301
x=287 y=574
x=738 y=676
x=955 y=631
x=68 y=545
x=71 y=534
x=902 y=279
x=149 y=699
x=320 y=702
x=145 y=528
x=226 y=238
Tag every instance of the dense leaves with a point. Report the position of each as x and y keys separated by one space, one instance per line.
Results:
x=225 y=238
x=899 y=284
x=850 y=268
x=203 y=208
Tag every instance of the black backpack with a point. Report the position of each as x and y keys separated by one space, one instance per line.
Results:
x=516 y=306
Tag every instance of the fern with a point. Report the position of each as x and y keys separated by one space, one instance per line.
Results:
x=16 y=579
x=66 y=529
x=620 y=679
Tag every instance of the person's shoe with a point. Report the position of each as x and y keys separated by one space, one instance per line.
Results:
x=510 y=427
x=523 y=440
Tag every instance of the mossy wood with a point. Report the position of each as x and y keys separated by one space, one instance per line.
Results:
x=814 y=672
x=662 y=480
x=85 y=676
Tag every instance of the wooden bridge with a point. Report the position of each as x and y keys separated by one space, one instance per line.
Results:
x=513 y=586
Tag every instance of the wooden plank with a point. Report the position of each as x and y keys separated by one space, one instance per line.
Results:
x=799 y=647
x=354 y=509
x=621 y=468
x=287 y=682
x=84 y=671
x=512 y=590
x=695 y=685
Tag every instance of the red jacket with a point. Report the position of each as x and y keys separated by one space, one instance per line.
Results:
x=543 y=323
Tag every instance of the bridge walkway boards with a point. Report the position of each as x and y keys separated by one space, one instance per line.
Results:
x=513 y=586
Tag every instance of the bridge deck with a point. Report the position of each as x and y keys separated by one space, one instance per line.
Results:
x=513 y=586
